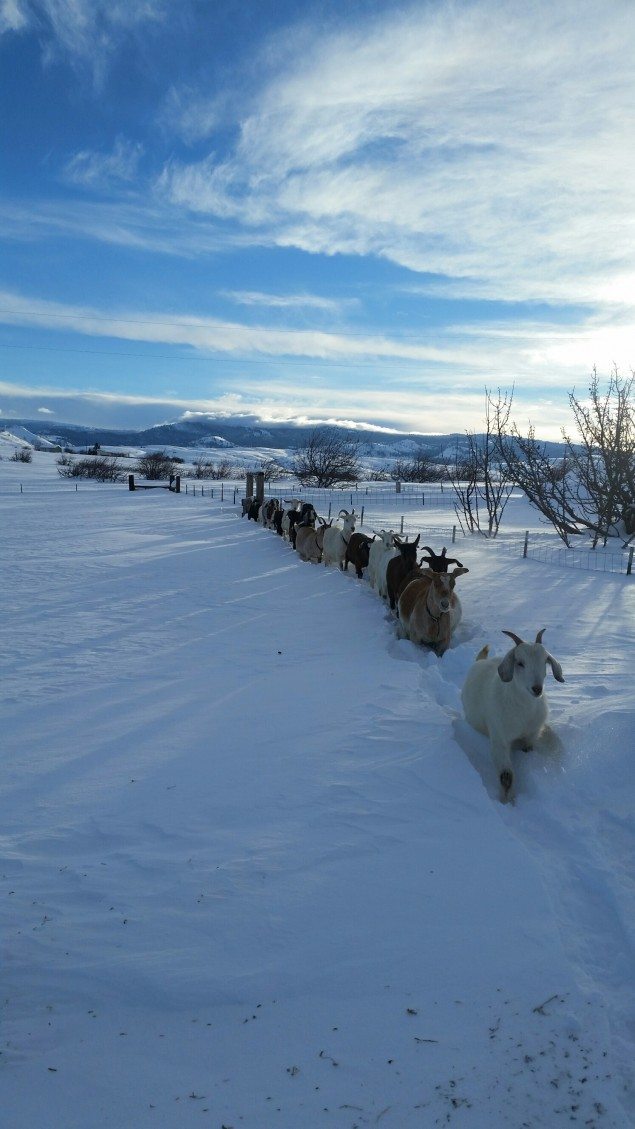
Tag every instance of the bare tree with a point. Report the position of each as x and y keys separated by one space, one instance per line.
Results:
x=329 y=457
x=207 y=468
x=272 y=470
x=592 y=488
x=102 y=468
x=481 y=481
x=419 y=468
x=156 y=465
x=602 y=460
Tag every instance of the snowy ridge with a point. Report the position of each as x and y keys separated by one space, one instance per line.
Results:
x=254 y=871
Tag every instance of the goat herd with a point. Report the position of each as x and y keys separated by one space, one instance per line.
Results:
x=502 y=696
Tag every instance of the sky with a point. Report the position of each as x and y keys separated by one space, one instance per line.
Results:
x=368 y=212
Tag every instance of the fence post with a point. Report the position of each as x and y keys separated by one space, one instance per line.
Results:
x=526 y=545
x=260 y=486
x=330 y=504
x=249 y=484
x=177 y=484
x=629 y=567
x=234 y=495
x=131 y=481
x=401 y=529
x=397 y=487
x=361 y=520
x=453 y=534
x=222 y=486
x=423 y=498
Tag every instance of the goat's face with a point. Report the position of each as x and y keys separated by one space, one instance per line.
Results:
x=526 y=664
x=440 y=593
x=408 y=550
x=442 y=585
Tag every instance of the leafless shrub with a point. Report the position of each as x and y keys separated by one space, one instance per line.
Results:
x=592 y=488
x=101 y=468
x=481 y=481
x=419 y=468
x=157 y=465
x=329 y=457
x=272 y=470
x=207 y=468
x=22 y=455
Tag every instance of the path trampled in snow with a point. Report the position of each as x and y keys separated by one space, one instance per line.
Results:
x=253 y=868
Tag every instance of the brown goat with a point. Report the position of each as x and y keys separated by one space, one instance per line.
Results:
x=309 y=542
x=429 y=608
x=357 y=552
x=399 y=567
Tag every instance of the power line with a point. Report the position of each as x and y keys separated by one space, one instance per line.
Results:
x=203 y=325
x=223 y=359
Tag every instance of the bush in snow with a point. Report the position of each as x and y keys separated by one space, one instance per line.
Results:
x=101 y=468
x=156 y=465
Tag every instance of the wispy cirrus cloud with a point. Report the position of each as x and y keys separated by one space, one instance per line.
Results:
x=355 y=368
x=488 y=142
x=13 y=16
x=290 y=301
x=101 y=170
x=87 y=32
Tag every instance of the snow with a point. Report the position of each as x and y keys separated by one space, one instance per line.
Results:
x=253 y=868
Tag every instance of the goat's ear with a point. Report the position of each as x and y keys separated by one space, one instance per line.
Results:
x=418 y=539
x=556 y=668
x=459 y=571
x=506 y=667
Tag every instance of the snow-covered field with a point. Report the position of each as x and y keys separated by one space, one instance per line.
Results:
x=253 y=869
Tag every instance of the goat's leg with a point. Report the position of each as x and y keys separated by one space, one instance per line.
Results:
x=501 y=755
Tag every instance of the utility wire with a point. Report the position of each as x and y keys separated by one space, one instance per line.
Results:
x=203 y=325
x=218 y=359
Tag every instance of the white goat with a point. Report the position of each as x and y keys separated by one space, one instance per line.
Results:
x=503 y=698
x=381 y=580
x=336 y=539
x=382 y=544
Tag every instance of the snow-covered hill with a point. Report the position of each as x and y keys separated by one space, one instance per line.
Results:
x=254 y=872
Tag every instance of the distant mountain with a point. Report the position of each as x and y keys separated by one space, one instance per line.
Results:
x=212 y=432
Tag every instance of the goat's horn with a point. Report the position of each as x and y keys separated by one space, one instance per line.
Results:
x=516 y=639
x=540 y=634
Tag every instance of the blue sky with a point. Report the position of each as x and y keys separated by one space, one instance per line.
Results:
x=366 y=212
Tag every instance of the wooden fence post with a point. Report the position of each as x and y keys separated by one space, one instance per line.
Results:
x=131 y=481
x=401 y=528
x=260 y=486
x=177 y=484
x=453 y=534
x=526 y=545
x=629 y=567
x=397 y=487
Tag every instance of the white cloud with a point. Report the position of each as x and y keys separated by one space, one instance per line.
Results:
x=46 y=411
x=289 y=301
x=490 y=142
x=192 y=116
x=87 y=32
x=13 y=16
x=99 y=170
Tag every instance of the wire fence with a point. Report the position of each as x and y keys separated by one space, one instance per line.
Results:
x=382 y=508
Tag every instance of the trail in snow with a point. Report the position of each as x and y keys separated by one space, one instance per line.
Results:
x=253 y=863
